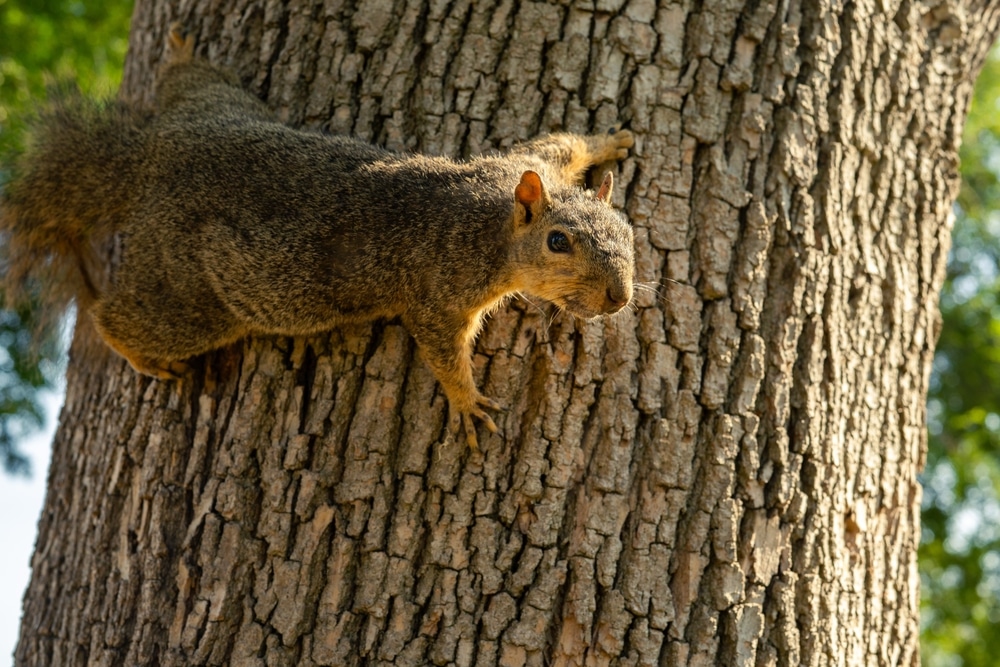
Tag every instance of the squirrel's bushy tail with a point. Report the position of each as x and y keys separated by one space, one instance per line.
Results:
x=67 y=190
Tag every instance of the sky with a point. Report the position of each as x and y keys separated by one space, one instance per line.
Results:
x=20 y=506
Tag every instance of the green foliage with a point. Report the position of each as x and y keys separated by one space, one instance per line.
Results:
x=24 y=371
x=58 y=39
x=960 y=550
x=43 y=41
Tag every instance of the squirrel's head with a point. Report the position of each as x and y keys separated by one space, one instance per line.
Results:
x=574 y=249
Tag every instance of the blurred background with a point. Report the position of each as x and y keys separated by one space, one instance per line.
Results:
x=40 y=41
x=960 y=543
x=45 y=40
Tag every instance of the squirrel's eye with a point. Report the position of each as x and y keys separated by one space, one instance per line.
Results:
x=558 y=242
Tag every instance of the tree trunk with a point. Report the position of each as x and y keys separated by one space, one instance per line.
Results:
x=724 y=476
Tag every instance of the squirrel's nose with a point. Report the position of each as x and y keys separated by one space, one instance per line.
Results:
x=617 y=298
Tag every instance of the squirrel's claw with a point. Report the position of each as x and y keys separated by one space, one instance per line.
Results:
x=470 y=432
x=492 y=405
x=487 y=420
x=469 y=425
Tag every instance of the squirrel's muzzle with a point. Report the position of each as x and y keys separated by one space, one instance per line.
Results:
x=616 y=298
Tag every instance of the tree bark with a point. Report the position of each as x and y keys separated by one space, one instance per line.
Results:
x=725 y=475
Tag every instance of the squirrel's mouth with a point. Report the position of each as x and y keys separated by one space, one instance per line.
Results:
x=591 y=307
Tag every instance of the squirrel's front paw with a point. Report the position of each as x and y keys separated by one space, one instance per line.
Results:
x=474 y=410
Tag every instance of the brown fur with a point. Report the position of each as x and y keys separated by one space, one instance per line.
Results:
x=234 y=224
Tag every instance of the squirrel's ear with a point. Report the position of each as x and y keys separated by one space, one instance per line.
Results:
x=604 y=192
x=531 y=197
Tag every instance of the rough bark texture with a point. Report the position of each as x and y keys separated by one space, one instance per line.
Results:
x=725 y=476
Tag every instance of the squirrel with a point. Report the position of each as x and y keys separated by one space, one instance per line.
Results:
x=232 y=223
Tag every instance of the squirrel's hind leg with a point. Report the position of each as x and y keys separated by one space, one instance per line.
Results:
x=158 y=368
x=199 y=87
x=180 y=46
x=155 y=331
